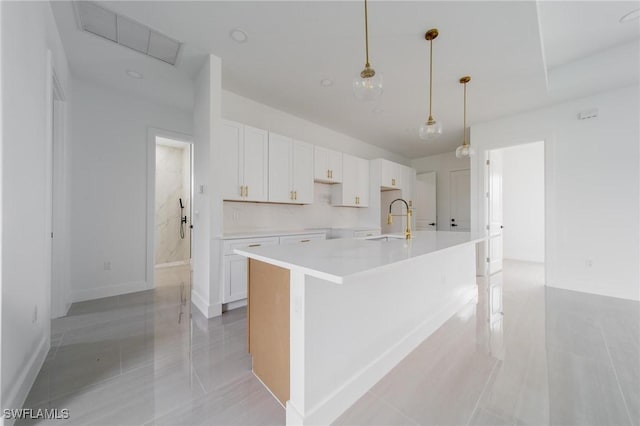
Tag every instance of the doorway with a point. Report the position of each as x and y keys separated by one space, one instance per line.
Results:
x=173 y=194
x=516 y=205
x=459 y=200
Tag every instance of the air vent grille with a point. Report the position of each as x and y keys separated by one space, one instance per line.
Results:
x=126 y=32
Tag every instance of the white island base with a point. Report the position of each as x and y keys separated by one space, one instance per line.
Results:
x=351 y=322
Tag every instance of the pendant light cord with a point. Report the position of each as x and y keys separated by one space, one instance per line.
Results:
x=464 y=122
x=430 y=76
x=366 y=33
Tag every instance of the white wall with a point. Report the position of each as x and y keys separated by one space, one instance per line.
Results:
x=523 y=202
x=109 y=187
x=28 y=32
x=251 y=216
x=442 y=164
x=592 y=179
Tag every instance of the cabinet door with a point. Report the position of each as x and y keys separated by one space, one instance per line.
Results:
x=321 y=164
x=231 y=135
x=302 y=172
x=363 y=179
x=391 y=174
x=349 y=186
x=335 y=166
x=280 y=190
x=235 y=278
x=255 y=164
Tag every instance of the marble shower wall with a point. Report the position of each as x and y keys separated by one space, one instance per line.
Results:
x=172 y=183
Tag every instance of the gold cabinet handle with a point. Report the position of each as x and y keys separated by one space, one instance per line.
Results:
x=291 y=195
x=393 y=182
x=242 y=190
x=255 y=245
x=331 y=174
x=246 y=191
x=295 y=195
x=328 y=174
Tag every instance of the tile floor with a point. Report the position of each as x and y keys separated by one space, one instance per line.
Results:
x=523 y=355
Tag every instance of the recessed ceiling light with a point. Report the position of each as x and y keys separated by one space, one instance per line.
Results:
x=634 y=14
x=377 y=110
x=238 y=35
x=134 y=74
x=325 y=82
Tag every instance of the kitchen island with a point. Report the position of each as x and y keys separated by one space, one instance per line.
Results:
x=328 y=319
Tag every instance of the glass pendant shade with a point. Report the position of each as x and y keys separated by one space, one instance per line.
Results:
x=430 y=130
x=367 y=88
x=465 y=151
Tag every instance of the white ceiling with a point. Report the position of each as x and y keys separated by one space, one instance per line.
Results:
x=294 y=45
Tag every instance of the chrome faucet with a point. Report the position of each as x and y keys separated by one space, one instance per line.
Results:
x=407 y=232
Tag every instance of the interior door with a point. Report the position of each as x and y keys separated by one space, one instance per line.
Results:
x=425 y=206
x=460 y=200
x=494 y=215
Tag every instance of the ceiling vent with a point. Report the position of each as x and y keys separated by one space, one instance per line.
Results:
x=126 y=32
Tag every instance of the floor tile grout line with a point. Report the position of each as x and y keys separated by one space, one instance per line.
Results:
x=494 y=370
x=615 y=374
x=394 y=408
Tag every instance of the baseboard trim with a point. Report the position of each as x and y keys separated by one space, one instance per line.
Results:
x=110 y=290
x=204 y=307
x=20 y=390
x=170 y=264
x=234 y=305
x=342 y=398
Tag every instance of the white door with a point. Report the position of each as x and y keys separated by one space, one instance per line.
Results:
x=494 y=213
x=425 y=205
x=232 y=152
x=302 y=172
x=460 y=200
x=280 y=190
x=256 y=147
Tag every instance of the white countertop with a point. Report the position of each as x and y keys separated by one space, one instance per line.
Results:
x=260 y=234
x=335 y=260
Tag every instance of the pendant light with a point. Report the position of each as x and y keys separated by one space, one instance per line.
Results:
x=368 y=85
x=464 y=150
x=431 y=128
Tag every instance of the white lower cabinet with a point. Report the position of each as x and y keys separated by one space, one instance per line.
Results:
x=235 y=267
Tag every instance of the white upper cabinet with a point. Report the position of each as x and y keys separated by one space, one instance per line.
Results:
x=327 y=165
x=290 y=170
x=354 y=189
x=391 y=174
x=245 y=151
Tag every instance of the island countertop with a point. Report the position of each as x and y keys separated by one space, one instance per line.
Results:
x=338 y=260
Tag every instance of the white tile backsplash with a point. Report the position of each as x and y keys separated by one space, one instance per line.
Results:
x=242 y=216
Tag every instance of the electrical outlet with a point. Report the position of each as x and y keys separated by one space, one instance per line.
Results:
x=107 y=265
x=35 y=314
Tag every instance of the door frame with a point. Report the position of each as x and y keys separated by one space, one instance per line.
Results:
x=152 y=134
x=56 y=196
x=479 y=201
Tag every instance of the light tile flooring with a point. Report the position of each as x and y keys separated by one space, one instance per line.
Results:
x=523 y=355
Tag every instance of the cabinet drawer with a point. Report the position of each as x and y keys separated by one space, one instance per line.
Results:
x=366 y=233
x=231 y=245
x=303 y=238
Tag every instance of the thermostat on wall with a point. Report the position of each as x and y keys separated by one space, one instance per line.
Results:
x=590 y=113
